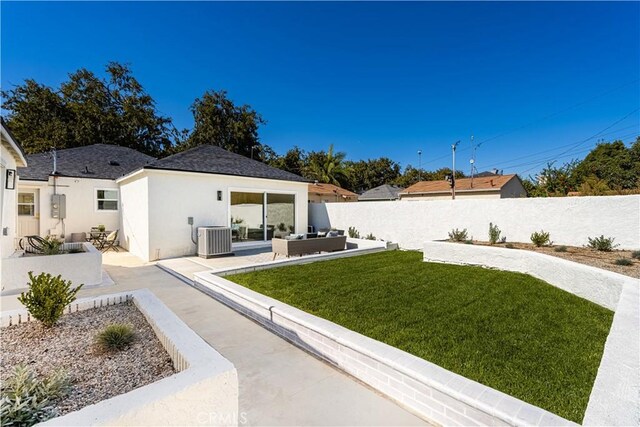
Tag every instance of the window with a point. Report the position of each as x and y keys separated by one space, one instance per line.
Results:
x=26 y=204
x=106 y=200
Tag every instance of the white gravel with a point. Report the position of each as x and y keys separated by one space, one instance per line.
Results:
x=70 y=345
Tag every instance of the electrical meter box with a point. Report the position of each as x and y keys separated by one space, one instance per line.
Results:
x=59 y=206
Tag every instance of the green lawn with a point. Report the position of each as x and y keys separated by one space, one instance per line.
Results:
x=509 y=331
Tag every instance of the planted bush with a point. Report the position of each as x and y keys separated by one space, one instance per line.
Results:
x=623 y=261
x=604 y=244
x=540 y=238
x=561 y=248
x=115 y=337
x=353 y=233
x=635 y=254
x=28 y=400
x=456 y=235
x=47 y=297
x=494 y=235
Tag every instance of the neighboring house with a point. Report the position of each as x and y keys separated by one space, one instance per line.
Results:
x=208 y=186
x=494 y=187
x=383 y=192
x=11 y=158
x=86 y=179
x=329 y=193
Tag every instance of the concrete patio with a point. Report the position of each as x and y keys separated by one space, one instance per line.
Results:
x=279 y=383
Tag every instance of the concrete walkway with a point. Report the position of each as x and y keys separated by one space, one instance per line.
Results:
x=279 y=383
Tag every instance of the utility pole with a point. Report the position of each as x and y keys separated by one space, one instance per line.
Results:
x=419 y=165
x=473 y=160
x=453 y=171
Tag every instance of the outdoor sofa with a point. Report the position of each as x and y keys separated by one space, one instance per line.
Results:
x=307 y=246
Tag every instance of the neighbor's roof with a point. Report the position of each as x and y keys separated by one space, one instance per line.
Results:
x=487 y=183
x=329 y=190
x=215 y=160
x=383 y=192
x=97 y=161
x=9 y=141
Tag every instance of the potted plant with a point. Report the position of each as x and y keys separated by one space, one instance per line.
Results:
x=101 y=228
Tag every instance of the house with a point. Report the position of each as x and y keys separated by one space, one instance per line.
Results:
x=71 y=190
x=163 y=202
x=382 y=192
x=494 y=187
x=11 y=158
x=329 y=193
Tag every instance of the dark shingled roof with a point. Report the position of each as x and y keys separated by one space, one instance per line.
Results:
x=383 y=192
x=216 y=160
x=98 y=161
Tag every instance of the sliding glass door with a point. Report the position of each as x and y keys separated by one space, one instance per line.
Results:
x=250 y=212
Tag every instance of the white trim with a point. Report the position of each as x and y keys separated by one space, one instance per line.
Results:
x=20 y=159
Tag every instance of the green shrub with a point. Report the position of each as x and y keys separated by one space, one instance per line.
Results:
x=540 y=238
x=51 y=246
x=604 y=244
x=28 y=400
x=370 y=236
x=561 y=248
x=47 y=297
x=469 y=242
x=509 y=245
x=635 y=254
x=494 y=235
x=353 y=233
x=115 y=337
x=623 y=261
x=456 y=235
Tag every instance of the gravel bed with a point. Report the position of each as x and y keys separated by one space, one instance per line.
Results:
x=95 y=376
x=588 y=256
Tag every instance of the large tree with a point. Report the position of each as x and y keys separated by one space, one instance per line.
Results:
x=87 y=109
x=219 y=121
x=611 y=162
x=371 y=173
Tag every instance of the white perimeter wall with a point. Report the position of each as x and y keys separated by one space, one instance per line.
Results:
x=81 y=205
x=175 y=196
x=570 y=220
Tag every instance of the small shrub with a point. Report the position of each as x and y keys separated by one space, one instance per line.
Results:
x=469 y=242
x=47 y=297
x=635 y=254
x=370 y=236
x=623 y=261
x=115 y=337
x=604 y=244
x=494 y=235
x=353 y=233
x=540 y=238
x=51 y=246
x=28 y=400
x=456 y=235
x=509 y=245
x=560 y=249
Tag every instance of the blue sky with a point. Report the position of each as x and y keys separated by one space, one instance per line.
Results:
x=374 y=79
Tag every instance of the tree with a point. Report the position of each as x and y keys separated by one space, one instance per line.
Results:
x=327 y=167
x=413 y=175
x=294 y=161
x=371 y=173
x=554 y=181
x=612 y=163
x=86 y=110
x=218 y=121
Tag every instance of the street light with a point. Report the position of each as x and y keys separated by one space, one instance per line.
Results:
x=453 y=171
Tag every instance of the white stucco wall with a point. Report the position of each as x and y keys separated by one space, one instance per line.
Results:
x=7 y=204
x=134 y=208
x=175 y=196
x=570 y=220
x=81 y=205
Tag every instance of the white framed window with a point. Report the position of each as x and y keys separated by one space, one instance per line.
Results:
x=106 y=199
x=26 y=204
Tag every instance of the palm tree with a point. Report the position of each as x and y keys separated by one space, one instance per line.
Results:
x=328 y=167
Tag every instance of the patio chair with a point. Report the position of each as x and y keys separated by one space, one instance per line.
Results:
x=78 y=237
x=111 y=242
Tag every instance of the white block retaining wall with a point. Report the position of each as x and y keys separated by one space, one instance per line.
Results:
x=428 y=390
x=594 y=284
x=204 y=391
x=81 y=268
x=570 y=220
